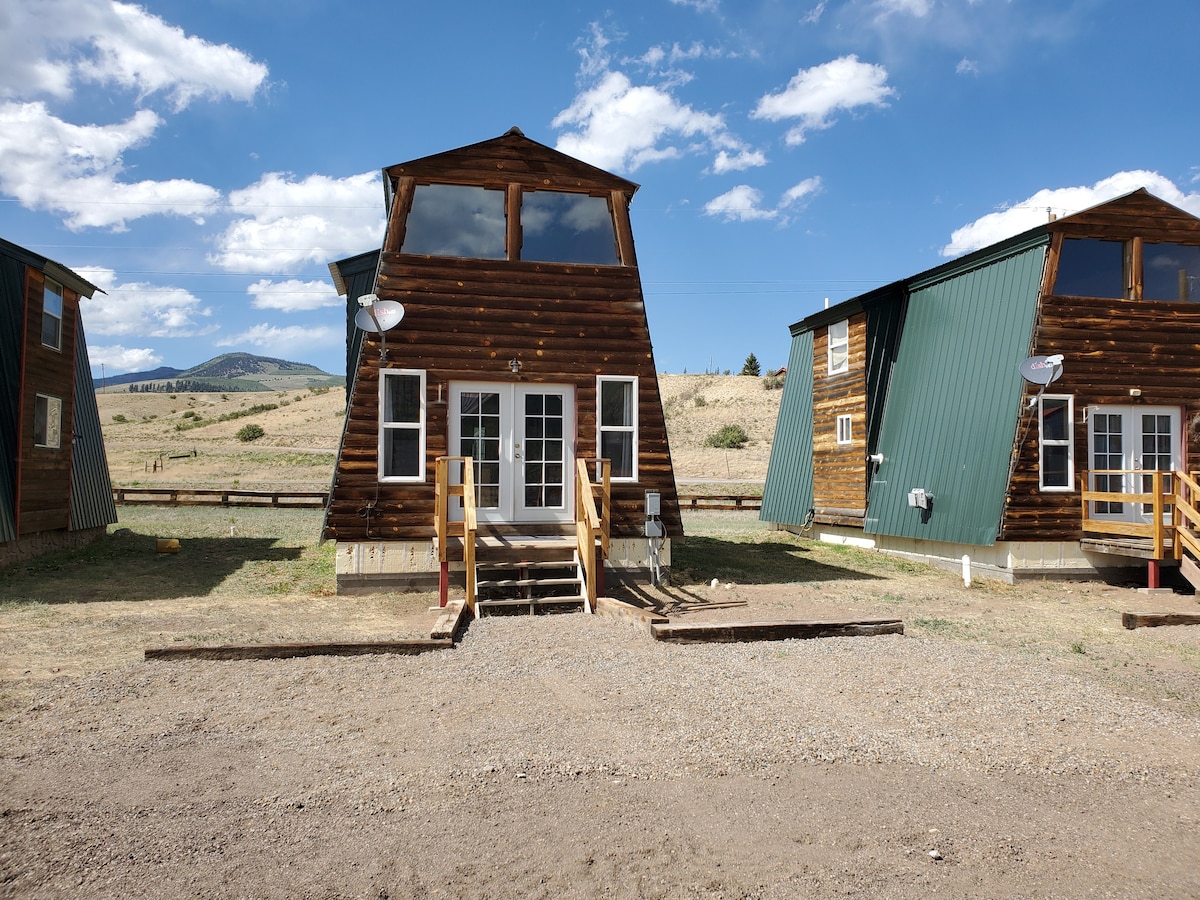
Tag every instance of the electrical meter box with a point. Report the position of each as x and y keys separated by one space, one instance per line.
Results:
x=653 y=504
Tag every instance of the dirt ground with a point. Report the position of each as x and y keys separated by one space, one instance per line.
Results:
x=1015 y=742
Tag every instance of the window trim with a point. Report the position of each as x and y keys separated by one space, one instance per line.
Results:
x=623 y=429
x=420 y=426
x=46 y=314
x=51 y=432
x=1069 y=443
x=845 y=429
x=831 y=368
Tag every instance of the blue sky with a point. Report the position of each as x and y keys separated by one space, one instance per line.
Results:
x=203 y=160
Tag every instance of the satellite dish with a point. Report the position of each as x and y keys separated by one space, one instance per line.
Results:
x=380 y=316
x=1042 y=369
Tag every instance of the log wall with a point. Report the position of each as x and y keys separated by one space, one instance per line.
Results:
x=839 y=470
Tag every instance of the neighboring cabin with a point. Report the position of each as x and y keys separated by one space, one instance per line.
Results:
x=524 y=344
x=916 y=385
x=54 y=484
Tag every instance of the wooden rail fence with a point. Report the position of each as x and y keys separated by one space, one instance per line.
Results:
x=220 y=497
x=719 y=501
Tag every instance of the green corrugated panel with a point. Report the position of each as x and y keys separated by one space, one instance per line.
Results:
x=954 y=401
x=91 y=489
x=788 y=493
x=12 y=325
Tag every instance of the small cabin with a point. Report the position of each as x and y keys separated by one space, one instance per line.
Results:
x=1010 y=406
x=55 y=491
x=504 y=380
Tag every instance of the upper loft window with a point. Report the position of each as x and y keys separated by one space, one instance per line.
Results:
x=1091 y=268
x=52 y=315
x=839 y=347
x=567 y=228
x=456 y=220
x=1170 y=272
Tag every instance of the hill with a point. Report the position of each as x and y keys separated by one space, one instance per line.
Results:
x=189 y=439
x=230 y=372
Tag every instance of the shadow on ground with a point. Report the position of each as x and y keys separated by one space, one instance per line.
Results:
x=127 y=566
x=700 y=559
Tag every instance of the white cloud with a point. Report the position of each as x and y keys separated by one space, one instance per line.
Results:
x=814 y=95
x=141 y=309
x=286 y=343
x=286 y=222
x=745 y=159
x=1035 y=210
x=699 y=5
x=916 y=8
x=966 y=67
x=813 y=16
x=739 y=204
x=117 y=359
x=73 y=170
x=797 y=193
x=293 y=295
x=47 y=46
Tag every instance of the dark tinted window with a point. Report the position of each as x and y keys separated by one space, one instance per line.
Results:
x=1170 y=272
x=568 y=228
x=456 y=220
x=1091 y=268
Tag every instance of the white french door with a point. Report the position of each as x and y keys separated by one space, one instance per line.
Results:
x=522 y=439
x=1139 y=439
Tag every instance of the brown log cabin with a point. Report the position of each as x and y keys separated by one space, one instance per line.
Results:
x=906 y=424
x=523 y=345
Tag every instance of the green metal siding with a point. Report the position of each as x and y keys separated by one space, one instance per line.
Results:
x=953 y=405
x=12 y=325
x=92 y=503
x=788 y=493
x=885 y=320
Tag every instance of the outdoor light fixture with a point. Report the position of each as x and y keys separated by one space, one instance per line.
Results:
x=515 y=365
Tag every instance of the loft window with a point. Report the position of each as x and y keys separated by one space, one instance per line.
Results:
x=47 y=421
x=1091 y=268
x=456 y=220
x=839 y=347
x=844 y=430
x=1056 y=444
x=1170 y=272
x=567 y=228
x=617 y=424
x=402 y=425
x=52 y=315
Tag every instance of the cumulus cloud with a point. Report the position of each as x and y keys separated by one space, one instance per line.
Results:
x=288 y=342
x=814 y=95
x=141 y=309
x=966 y=67
x=1035 y=209
x=49 y=46
x=737 y=162
x=117 y=359
x=283 y=222
x=744 y=203
x=293 y=295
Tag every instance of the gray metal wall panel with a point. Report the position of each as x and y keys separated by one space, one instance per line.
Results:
x=954 y=401
x=788 y=493
x=92 y=503
x=12 y=326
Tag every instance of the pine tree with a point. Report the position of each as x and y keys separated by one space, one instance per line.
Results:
x=751 y=366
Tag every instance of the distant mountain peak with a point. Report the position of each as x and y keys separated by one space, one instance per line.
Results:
x=230 y=372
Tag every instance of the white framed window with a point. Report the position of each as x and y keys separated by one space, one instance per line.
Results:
x=617 y=424
x=52 y=315
x=844 y=430
x=839 y=347
x=402 y=425
x=47 y=421
x=1056 y=442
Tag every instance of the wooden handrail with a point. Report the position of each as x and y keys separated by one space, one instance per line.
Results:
x=443 y=491
x=1156 y=529
x=592 y=524
x=1186 y=517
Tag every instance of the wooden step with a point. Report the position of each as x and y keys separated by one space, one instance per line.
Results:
x=525 y=582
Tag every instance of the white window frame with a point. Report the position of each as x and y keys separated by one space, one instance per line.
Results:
x=51 y=436
x=845 y=429
x=838 y=353
x=1069 y=443
x=419 y=426
x=601 y=429
x=48 y=288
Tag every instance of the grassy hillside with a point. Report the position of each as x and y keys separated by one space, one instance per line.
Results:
x=190 y=439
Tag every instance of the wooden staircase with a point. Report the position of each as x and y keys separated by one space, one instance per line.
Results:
x=533 y=572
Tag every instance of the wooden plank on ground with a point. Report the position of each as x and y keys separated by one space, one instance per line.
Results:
x=1153 y=620
x=730 y=632
x=288 y=651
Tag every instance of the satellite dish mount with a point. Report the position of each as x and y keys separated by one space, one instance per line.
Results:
x=378 y=316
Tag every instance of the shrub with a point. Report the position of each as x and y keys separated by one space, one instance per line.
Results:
x=731 y=437
x=119 y=417
x=773 y=382
x=250 y=432
x=700 y=401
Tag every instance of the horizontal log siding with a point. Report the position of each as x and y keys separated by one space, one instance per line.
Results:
x=44 y=485
x=464 y=320
x=1109 y=346
x=839 y=470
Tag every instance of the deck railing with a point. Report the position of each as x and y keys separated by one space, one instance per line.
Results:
x=1186 y=520
x=592 y=522
x=443 y=491
x=1159 y=496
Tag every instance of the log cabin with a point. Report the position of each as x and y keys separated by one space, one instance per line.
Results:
x=908 y=423
x=55 y=491
x=522 y=345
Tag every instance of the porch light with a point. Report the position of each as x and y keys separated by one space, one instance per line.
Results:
x=515 y=365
